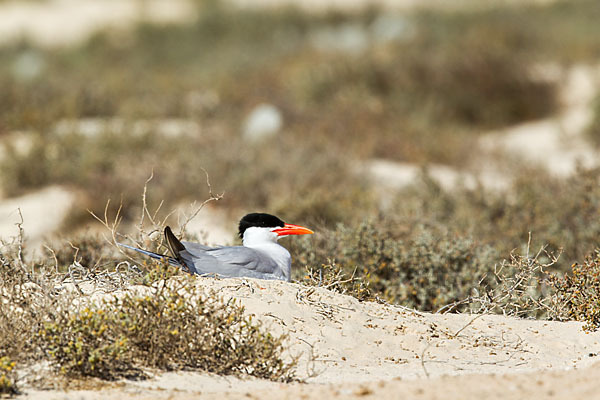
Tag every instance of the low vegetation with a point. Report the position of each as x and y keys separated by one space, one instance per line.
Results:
x=8 y=383
x=558 y=212
x=578 y=292
x=422 y=269
x=169 y=327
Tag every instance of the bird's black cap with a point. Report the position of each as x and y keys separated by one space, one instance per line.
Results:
x=260 y=220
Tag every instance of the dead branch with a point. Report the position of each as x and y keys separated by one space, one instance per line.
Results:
x=211 y=197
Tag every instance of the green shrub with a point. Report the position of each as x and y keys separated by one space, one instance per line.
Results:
x=8 y=383
x=170 y=328
x=433 y=78
x=558 y=212
x=578 y=293
x=420 y=267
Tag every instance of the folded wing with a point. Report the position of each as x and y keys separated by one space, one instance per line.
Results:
x=231 y=261
x=236 y=261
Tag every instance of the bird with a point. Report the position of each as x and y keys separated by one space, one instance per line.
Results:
x=260 y=256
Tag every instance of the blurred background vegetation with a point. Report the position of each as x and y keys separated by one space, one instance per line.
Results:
x=338 y=89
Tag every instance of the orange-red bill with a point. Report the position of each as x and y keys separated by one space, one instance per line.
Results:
x=290 y=229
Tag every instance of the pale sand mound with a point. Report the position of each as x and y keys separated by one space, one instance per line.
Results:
x=68 y=22
x=558 y=143
x=42 y=213
x=380 y=350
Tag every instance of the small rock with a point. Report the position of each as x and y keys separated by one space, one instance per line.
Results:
x=19 y=143
x=43 y=212
x=263 y=122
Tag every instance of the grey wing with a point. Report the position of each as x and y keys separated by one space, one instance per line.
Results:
x=196 y=247
x=235 y=261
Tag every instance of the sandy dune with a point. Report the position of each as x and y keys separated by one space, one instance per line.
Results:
x=42 y=212
x=69 y=22
x=367 y=349
x=558 y=143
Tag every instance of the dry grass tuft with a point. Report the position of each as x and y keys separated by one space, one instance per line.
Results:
x=333 y=277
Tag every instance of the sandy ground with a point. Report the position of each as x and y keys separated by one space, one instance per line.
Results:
x=363 y=349
x=67 y=22
x=41 y=212
x=557 y=144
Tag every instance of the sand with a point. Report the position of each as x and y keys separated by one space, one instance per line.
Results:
x=42 y=212
x=57 y=23
x=357 y=349
x=557 y=144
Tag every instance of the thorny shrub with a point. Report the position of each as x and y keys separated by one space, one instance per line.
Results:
x=431 y=269
x=517 y=287
x=21 y=302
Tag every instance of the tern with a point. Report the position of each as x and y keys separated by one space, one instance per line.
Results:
x=260 y=256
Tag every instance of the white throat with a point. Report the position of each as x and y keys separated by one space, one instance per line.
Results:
x=265 y=241
x=258 y=236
